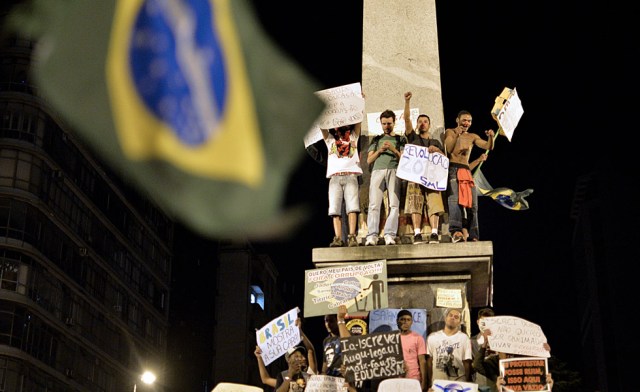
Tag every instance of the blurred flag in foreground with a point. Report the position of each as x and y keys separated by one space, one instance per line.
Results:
x=504 y=196
x=187 y=99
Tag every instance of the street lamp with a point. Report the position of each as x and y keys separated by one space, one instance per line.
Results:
x=147 y=377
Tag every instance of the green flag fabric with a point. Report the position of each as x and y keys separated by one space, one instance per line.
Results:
x=506 y=197
x=189 y=100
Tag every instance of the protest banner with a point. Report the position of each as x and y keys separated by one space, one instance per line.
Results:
x=360 y=287
x=514 y=335
x=372 y=356
x=524 y=374
x=417 y=165
x=344 y=106
x=276 y=337
x=322 y=383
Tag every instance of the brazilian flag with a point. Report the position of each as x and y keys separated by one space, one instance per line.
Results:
x=506 y=197
x=189 y=100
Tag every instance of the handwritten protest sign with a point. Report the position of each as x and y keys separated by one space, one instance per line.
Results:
x=321 y=383
x=360 y=287
x=449 y=298
x=448 y=385
x=507 y=111
x=372 y=356
x=514 y=335
x=375 y=128
x=524 y=374
x=313 y=135
x=384 y=320
x=278 y=336
x=344 y=106
x=417 y=165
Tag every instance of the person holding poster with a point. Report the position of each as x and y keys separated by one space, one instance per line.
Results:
x=343 y=169
x=309 y=363
x=418 y=195
x=384 y=154
x=461 y=191
x=477 y=341
x=487 y=362
x=449 y=351
x=332 y=353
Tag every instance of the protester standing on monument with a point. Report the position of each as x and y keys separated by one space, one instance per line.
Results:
x=420 y=199
x=461 y=190
x=383 y=156
x=343 y=169
x=449 y=351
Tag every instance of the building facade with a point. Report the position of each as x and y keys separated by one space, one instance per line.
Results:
x=85 y=262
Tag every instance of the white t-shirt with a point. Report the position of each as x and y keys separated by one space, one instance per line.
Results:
x=447 y=353
x=342 y=155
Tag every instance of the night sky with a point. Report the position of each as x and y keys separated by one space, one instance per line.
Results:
x=565 y=67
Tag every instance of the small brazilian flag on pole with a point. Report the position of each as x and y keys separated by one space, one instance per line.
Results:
x=187 y=99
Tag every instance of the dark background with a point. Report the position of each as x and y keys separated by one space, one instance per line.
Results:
x=570 y=67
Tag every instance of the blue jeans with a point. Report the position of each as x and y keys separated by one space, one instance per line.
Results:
x=457 y=212
x=380 y=180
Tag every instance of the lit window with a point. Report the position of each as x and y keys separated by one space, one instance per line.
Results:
x=256 y=296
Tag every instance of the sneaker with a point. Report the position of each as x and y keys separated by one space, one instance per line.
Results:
x=371 y=240
x=353 y=241
x=336 y=242
x=434 y=239
x=389 y=240
x=417 y=239
x=457 y=237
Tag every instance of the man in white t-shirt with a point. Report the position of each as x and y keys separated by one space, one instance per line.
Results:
x=449 y=354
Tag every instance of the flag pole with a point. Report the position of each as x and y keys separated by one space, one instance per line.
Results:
x=487 y=150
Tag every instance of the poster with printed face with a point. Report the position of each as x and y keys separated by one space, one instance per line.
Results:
x=418 y=165
x=281 y=333
x=514 y=335
x=382 y=320
x=524 y=374
x=361 y=287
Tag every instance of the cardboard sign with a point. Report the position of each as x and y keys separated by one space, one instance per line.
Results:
x=507 y=111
